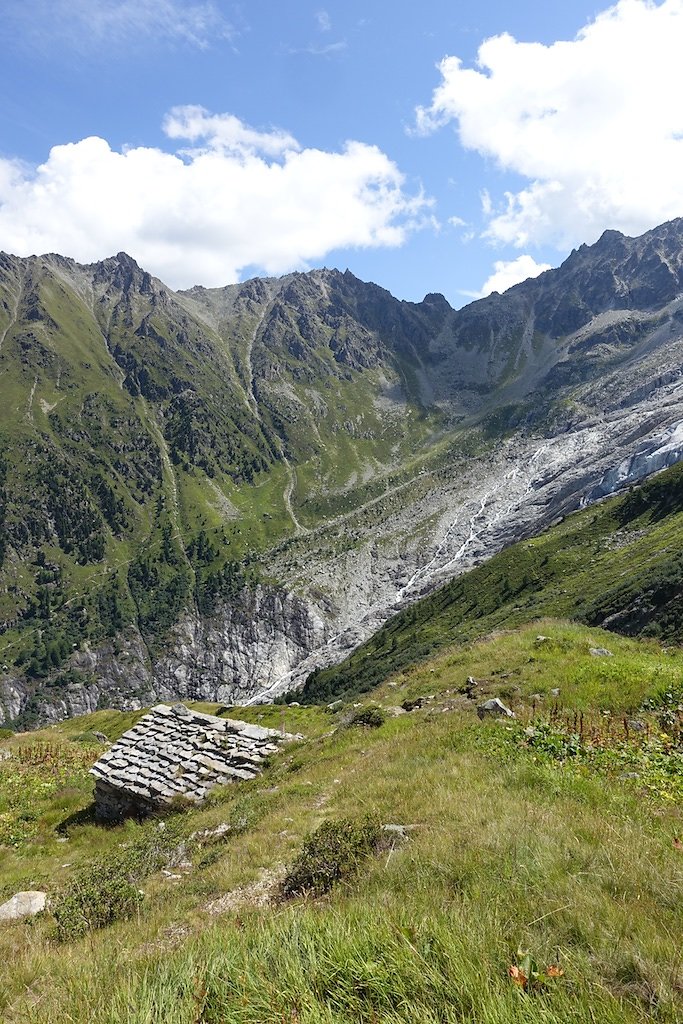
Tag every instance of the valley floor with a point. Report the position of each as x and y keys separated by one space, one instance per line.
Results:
x=538 y=879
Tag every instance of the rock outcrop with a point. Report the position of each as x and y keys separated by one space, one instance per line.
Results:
x=241 y=650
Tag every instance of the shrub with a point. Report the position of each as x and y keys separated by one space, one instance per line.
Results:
x=331 y=853
x=107 y=890
x=372 y=716
x=90 y=737
x=94 y=899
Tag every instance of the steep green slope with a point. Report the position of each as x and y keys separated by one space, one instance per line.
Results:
x=518 y=839
x=156 y=446
x=618 y=565
x=81 y=465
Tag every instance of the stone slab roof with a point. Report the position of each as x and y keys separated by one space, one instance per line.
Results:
x=173 y=751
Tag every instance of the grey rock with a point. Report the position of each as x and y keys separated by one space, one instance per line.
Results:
x=555 y=692
x=600 y=652
x=636 y=724
x=237 y=653
x=213 y=833
x=23 y=904
x=397 y=833
x=494 y=708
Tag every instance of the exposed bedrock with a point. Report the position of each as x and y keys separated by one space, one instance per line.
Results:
x=226 y=658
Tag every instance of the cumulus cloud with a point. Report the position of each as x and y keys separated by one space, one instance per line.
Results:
x=507 y=273
x=238 y=199
x=84 y=23
x=594 y=124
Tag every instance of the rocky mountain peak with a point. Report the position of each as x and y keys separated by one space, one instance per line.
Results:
x=124 y=274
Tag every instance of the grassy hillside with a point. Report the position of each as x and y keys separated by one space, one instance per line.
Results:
x=152 y=443
x=617 y=564
x=546 y=848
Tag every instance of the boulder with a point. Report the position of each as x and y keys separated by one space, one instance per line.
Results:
x=23 y=904
x=494 y=708
x=600 y=652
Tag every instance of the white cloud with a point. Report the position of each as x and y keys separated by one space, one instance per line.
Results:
x=319 y=49
x=225 y=133
x=507 y=273
x=594 y=124
x=240 y=199
x=324 y=21
x=84 y=23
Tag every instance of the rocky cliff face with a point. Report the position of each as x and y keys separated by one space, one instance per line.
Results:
x=165 y=452
x=227 y=657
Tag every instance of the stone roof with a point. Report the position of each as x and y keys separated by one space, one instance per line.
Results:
x=173 y=751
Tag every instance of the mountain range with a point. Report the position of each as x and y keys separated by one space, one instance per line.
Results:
x=212 y=493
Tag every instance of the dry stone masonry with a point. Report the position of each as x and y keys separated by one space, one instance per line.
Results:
x=176 y=752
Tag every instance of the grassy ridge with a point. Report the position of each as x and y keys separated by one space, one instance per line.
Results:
x=619 y=563
x=513 y=849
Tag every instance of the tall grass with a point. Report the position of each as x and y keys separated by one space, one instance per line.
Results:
x=512 y=849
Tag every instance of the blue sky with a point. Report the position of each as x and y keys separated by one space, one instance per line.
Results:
x=421 y=145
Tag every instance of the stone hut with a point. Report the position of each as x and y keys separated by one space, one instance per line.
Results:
x=176 y=752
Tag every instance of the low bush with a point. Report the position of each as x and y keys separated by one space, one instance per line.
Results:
x=107 y=891
x=330 y=854
x=94 y=899
x=371 y=716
